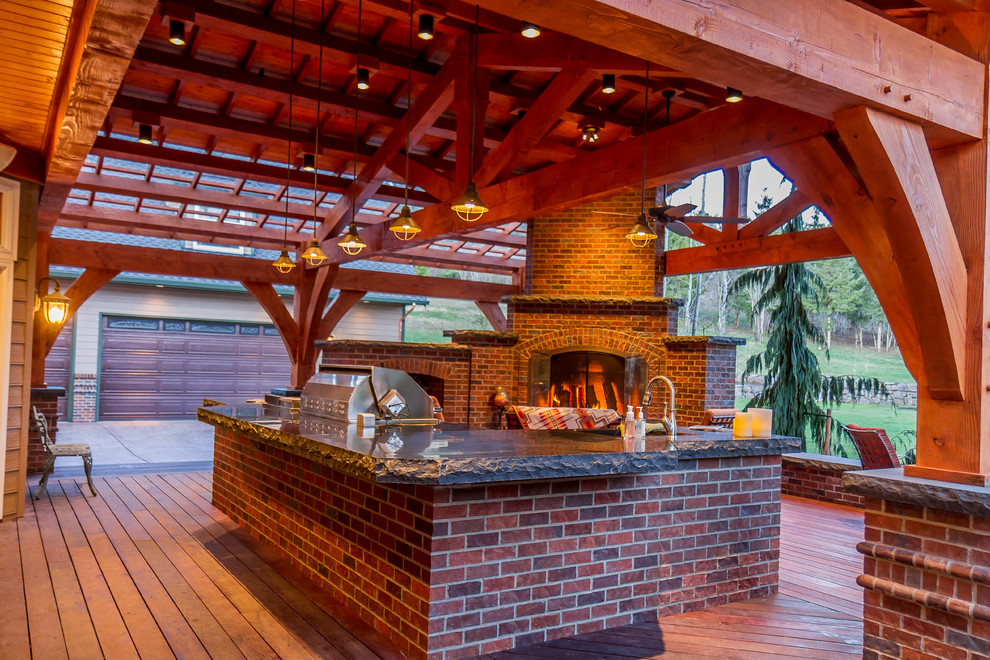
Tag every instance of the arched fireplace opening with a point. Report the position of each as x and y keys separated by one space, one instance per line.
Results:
x=586 y=378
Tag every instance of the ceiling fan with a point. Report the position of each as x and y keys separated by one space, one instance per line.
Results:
x=675 y=218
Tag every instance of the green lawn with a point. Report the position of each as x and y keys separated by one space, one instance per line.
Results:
x=427 y=323
x=844 y=361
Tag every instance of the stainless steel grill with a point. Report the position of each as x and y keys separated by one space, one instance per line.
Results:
x=343 y=392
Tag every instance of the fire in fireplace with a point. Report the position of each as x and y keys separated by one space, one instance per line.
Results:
x=586 y=378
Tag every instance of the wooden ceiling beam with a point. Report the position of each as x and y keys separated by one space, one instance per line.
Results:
x=222 y=166
x=425 y=110
x=551 y=52
x=531 y=129
x=420 y=174
x=729 y=135
x=128 y=258
x=168 y=192
x=113 y=35
x=948 y=6
x=203 y=229
x=794 y=247
x=776 y=216
x=426 y=254
x=808 y=57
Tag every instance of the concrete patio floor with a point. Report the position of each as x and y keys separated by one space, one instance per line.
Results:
x=139 y=446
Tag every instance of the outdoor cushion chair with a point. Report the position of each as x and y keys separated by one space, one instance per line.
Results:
x=53 y=451
x=876 y=451
x=719 y=417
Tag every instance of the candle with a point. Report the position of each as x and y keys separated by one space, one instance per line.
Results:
x=742 y=425
x=762 y=422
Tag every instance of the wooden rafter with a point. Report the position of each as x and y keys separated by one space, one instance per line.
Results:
x=801 y=61
x=734 y=134
x=789 y=248
x=494 y=314
x=342 y=304
x=164 y=156
x=127 y=258
x=427 y=107
x=776 y=216
x=541 y=117
x=280 y=315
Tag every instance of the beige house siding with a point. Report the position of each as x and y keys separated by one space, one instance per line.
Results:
x=18 y=393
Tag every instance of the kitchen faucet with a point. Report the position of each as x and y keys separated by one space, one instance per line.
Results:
x=669 y=423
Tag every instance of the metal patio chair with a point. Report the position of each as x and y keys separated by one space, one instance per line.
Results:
x=53 y=451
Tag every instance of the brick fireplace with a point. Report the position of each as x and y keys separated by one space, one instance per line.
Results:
x=588 y=293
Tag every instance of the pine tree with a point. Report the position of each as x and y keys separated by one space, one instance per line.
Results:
x=794 y=386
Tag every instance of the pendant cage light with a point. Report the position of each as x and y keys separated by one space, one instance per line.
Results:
x=641 y=233
x=468 y=206
x=313 y=254
x=404 y=227
x=351 y=242
x=284 y=263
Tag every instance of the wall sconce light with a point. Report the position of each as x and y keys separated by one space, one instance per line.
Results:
x=177 y=32
x=530 y=30
x=733 y=95
x=608 y=83
x=55 y=305
x=425 y=27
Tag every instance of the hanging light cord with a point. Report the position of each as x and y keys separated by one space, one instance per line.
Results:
x=474 y=92
x=288 y=148
x=319 y=94
x=646 y=114
x=357 y=93
x=409 y=100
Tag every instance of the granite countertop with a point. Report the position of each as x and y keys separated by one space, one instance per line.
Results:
x=458 y=454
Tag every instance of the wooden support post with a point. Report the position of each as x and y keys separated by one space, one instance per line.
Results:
x=494 y=314
x=899 y=174
x=341 y=305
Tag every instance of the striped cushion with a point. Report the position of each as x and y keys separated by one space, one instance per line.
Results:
x=565 y=418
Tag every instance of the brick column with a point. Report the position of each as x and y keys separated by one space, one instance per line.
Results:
x=45 y=399
x=492 y=366
x=927 y=567
x=704 y=371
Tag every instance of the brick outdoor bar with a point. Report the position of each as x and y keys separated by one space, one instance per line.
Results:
x=456 y=542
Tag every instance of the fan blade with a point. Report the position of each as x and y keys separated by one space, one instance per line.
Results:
x=701 y=219
x=610 y=213
x=678 y=211
x=657 y=211
x=679 y=228
x=626 y=226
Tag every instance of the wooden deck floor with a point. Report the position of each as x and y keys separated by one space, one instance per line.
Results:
x=150 y=569
x=817 y=614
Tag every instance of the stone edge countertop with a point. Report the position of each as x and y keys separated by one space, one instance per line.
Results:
x=892 y=484
x=457 y=454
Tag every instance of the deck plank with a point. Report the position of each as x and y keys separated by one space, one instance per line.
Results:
x=15 y=643
x=153 y=562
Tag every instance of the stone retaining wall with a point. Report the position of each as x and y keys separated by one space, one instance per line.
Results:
x=901 y=394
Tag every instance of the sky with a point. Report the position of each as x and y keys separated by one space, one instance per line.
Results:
x=708 y=188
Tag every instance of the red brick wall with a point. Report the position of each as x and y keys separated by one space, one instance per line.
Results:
x=814 y=483
x=579 y=252
x=451 y=573
x=46 y=401
x=704 y=377
x=449 y=362
x=372 y=550
x=492 y=366
x=896 y=627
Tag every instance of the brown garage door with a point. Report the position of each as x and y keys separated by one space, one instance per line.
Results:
x=58 y=366
x=163 y=368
